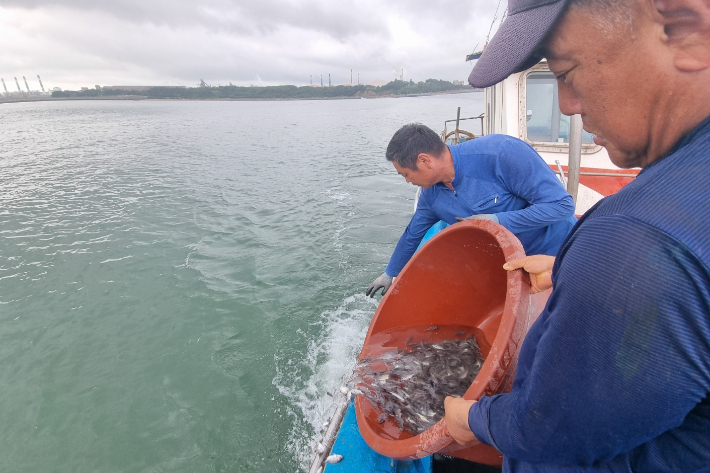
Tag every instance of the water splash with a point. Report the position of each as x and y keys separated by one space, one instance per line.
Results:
x=328 y=363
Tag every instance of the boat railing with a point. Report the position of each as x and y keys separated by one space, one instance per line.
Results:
x=479 y=117
x=457 y=131
x=324 y=447
x=597 y=173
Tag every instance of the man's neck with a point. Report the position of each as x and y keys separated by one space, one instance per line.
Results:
x=448 y=171
x=676 y=115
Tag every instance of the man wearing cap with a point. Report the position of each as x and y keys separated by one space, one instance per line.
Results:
x=495 y=177
x=615 y=374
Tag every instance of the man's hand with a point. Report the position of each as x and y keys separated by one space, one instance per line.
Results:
x=538 y=267
x=382 y=282
x=491 y=217
x=457 y=419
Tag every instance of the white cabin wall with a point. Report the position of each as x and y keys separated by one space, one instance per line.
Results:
x=510 y=106
x=495 y=109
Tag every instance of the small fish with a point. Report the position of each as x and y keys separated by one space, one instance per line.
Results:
x=414 y=381
x=335 y=458
x=383 y=377
x=400 y=423
x=432 y=328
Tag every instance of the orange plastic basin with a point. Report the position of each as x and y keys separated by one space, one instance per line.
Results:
x=455 y=280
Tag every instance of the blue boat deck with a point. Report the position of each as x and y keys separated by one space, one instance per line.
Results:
x=359 y=457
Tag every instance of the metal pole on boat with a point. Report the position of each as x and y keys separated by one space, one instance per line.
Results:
x=575 y=155
x=458 y=118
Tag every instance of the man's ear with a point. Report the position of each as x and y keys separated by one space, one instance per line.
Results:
x=686 y=24
x=424 y=160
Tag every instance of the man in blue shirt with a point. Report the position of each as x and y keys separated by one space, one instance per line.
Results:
x=495 y=177
x=615 y=374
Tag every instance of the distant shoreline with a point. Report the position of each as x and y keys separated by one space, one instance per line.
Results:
x=145 y=98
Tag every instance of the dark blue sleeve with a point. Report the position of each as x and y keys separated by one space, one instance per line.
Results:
x=525 y=174
x=619 y=355
x=421 y=222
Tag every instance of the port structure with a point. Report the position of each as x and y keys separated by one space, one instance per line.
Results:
x=22 y=93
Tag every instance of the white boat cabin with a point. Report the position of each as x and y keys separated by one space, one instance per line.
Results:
x=525 y=106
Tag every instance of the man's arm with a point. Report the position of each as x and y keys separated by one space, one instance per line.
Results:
x=525 y=174
x=539 y=270
x=619 y=355
x=421 y=222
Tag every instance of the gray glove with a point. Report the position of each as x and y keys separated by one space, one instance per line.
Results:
x=382 y=282
x=491 y=217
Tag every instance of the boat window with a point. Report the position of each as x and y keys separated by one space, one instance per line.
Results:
x=544 y=121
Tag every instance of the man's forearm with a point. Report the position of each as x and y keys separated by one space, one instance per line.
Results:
x=537 y=215
x=406 y=246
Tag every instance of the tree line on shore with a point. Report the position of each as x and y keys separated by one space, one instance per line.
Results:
x=396 y=87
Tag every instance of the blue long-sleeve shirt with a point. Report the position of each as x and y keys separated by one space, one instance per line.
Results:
x=615 y=374
x=501 y=175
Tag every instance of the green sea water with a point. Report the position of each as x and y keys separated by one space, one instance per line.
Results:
x=182 y=282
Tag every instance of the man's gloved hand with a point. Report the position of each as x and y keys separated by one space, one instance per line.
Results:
x=382 y=282
x=491 y=217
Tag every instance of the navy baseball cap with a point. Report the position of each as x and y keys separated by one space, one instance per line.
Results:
x=516 y=45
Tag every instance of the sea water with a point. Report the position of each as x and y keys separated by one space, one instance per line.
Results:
x=182 y=282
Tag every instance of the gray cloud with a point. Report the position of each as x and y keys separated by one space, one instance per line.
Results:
x=334 y=18
x=71 y=42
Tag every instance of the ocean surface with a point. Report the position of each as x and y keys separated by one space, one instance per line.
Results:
x=182 y=282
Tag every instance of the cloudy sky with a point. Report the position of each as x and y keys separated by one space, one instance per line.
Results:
x=73 y=43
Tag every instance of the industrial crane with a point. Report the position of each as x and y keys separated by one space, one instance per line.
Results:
x=40 y=82
x=18 y=85
x=26 y=84
x=5 y=87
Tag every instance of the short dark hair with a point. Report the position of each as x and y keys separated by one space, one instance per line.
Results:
x=411 y=140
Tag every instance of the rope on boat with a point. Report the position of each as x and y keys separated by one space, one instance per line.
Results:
x=493 y=22
x=502 y=18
